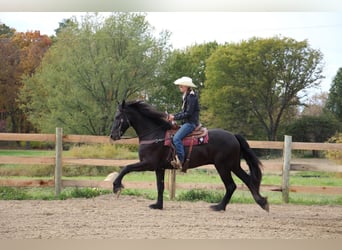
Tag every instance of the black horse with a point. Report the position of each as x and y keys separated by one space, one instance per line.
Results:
x=223 y=150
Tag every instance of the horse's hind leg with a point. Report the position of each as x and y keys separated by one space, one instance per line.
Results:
x=230 y=185
x=262 y=201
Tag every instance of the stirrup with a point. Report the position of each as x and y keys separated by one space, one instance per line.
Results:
x=176 y=163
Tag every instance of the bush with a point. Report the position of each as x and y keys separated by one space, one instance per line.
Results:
x=20 y=193
x=313 y=128
x=36 y=145
x=71 y=171
x=147 y=194
x=105 y=151
x=201 y=195
x=27 y=170
x=335 y=155
x=82 y=193
x=11 y=193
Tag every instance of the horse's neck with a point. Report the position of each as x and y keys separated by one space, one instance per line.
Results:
x=147 y=130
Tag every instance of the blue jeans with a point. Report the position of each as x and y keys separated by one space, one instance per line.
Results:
x=184 y=130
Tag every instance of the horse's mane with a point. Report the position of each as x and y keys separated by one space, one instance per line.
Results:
x=149 y=111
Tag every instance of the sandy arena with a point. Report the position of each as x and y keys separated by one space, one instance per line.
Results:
x=129 y=217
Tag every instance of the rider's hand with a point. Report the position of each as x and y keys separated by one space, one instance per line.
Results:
x=170 y=117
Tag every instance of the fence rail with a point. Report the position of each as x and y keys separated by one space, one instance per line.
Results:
x=287 y=146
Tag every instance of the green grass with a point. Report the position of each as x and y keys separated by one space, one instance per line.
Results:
x=204 y=176
x=239 y=197
x=308 y=178
x=211 y=196
x=297 y=178
x=104 y=151
x=32 y=153
x=11 y=193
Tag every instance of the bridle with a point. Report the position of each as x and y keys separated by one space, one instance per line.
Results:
x=144 y=134
x=122 y=121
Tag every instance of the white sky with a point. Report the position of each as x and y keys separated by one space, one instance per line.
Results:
x=323 y=30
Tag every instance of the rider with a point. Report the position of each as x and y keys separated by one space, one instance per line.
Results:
x=189 y=115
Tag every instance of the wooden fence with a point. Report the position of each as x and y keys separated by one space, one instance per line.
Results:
x=287 y=146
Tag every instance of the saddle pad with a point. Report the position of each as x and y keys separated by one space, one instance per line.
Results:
x=187 y=140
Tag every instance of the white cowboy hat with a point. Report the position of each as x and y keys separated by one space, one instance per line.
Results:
x=185 y=81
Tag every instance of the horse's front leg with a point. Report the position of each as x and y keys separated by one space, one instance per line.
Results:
x=117 y=184
x=160 y=174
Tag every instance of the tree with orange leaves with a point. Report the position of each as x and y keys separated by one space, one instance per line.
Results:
x=20 y=54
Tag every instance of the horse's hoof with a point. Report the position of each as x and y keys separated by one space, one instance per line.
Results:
x=217 y=208
x=156 y=206
x=118 y=193
x=264 y=204
x=117 y=190
x=266 y=207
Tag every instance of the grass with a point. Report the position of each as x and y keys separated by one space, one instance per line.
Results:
x=209 y=196
x=103 y=151
x=305 y=178
x=11 y=193
x=203 y=176
x=37 y=153
x=239 y=197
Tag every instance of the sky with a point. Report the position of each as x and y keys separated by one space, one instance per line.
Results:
x=323 y=30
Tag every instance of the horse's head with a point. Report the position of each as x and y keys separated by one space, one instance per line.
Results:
x=120 y=124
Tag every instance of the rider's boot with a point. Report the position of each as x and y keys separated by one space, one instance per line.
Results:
x=176 y=163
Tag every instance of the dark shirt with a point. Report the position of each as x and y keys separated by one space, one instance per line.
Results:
x=190 y=112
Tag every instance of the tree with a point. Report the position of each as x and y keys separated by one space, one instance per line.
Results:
x=189 y=62
x=9 y=79
x=315 y=105
x=334 y=102
x=6 y=31
x=313 y=129
x=335 y=155
x=65 y=24
x=93 y=65
x=20 y=54
x=256 y=83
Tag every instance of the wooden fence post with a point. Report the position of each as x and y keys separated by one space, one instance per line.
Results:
x=58 y=166
x=172 y=184
x=286 y=168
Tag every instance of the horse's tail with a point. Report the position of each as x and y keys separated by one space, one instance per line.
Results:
x=252 y=161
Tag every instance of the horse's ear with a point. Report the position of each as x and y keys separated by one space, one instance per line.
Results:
x=122 y=105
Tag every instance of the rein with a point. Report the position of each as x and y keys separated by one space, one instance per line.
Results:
x=142 y=142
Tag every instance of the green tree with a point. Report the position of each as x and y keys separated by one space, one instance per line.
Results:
x=65 y=24
x=255 y=84
x=334 y=102
x=6 y=31
x=188 y=62
x=313 y=129
x=92 y=66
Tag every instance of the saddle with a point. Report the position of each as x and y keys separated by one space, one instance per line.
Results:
x=197 y=137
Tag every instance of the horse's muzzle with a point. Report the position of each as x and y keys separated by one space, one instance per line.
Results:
x=115 y=137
